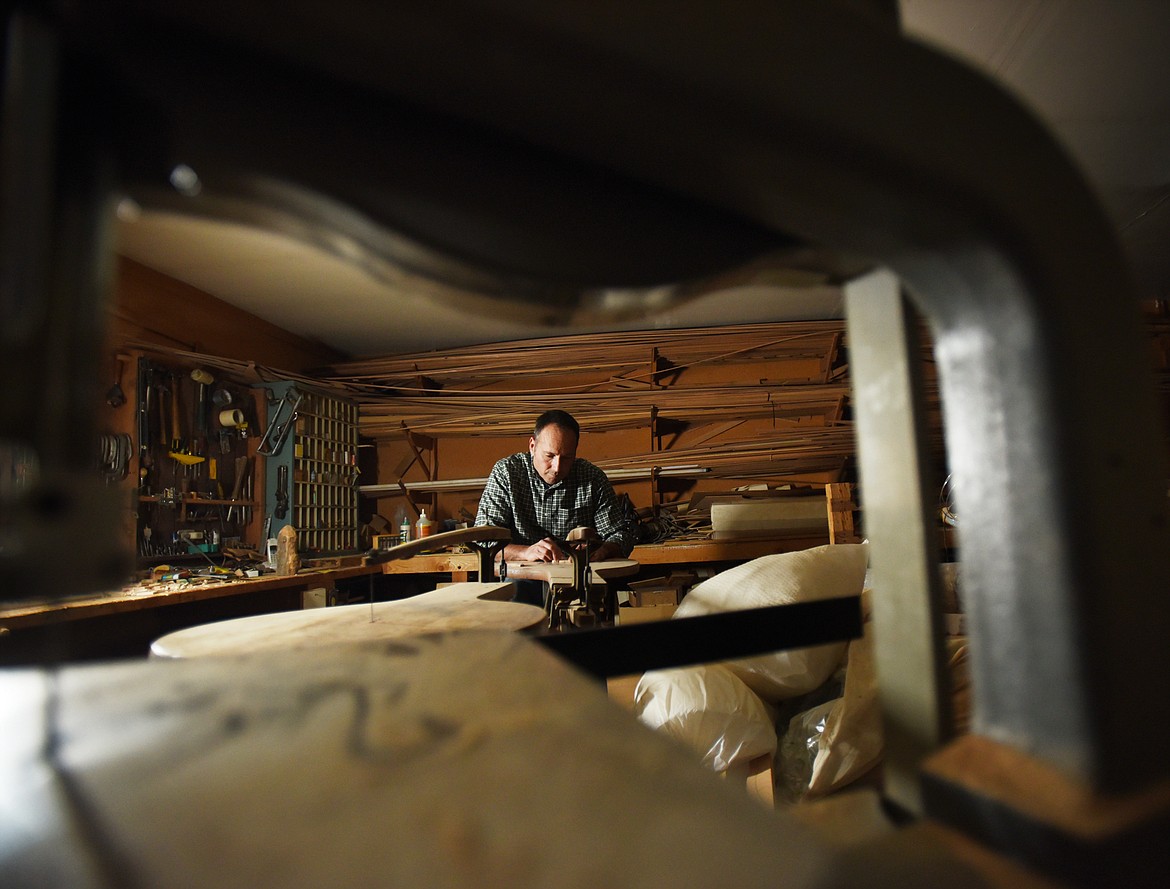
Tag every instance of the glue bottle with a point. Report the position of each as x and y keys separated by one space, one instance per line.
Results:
x=404 y=530
x=424 y=525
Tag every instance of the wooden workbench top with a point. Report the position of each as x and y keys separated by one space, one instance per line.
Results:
x=680 y=552
x=671 y=552
x=27 y=613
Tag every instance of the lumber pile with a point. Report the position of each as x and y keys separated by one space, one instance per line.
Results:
x=508 y=414
x=754 y=401
x=602 y=360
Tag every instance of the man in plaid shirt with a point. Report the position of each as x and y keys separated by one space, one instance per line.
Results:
x=544 y=494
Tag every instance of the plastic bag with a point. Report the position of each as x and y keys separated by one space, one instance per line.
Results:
x=709 y=709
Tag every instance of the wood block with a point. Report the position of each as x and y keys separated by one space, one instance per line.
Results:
x=787 y=514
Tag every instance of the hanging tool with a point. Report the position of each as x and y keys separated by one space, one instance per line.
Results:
x=115 y=397
x=145 y=456
x=221 y=398
x=180 y=450
x=164 y=393
x=247 y=492
x=176 y=416
x=284 y=415
x=184 y=494
x=281 y=492
x=202 y=380
x=116 y=451
x=237 y=485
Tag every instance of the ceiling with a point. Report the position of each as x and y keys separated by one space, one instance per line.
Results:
x=1097 y=73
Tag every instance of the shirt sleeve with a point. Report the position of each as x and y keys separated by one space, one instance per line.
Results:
x=610 y=519
x=495 y=504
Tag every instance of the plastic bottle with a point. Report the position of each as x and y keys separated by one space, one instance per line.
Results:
x=404 y=530
x=424 y=525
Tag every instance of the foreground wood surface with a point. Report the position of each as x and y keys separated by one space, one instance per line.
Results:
x=462 y=606
x=467 y=760
x=459 y=760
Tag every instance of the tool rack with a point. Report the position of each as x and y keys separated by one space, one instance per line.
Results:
x=190 y=479
x=312 y=477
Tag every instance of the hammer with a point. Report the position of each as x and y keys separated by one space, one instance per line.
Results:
x=202 y=379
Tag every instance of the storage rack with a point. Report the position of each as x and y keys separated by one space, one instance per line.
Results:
x=324 y=502
x=321 y=461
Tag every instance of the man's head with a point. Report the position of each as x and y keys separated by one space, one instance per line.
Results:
x=553 y=445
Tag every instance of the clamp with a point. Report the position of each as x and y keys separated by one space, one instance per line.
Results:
x=278 y=429
x=581 y=603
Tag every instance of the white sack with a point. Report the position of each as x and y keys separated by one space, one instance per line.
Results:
x=823 y=572
x=710 y=710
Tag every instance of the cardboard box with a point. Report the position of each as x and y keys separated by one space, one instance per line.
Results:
x=621 y=689
x=640 y=598
x=632 y=615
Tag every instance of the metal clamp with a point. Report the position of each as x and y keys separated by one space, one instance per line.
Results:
x=277 y=430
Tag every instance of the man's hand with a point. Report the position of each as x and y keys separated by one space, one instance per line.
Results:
x=542 y=551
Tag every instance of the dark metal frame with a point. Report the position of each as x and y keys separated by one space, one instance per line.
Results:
x=719 y=137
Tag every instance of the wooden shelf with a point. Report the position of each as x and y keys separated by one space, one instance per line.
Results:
x=322 y=491
x=191 y=499
x=698 y=551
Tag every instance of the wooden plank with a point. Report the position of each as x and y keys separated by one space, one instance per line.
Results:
x=840 y=506
x=434 y=563
x=760 y=780
x=698 y=552
x=778 y=515
x=459 y=606
x=562 y=572
x=433 y=542
x=272 y=769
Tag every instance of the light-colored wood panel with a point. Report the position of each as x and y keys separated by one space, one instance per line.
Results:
x=151 y=306
x=460 y=606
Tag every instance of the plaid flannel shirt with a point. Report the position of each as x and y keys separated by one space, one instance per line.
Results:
x=518 y=499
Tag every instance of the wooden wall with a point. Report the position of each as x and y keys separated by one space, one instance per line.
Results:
x=749 y=405
x=152 y=307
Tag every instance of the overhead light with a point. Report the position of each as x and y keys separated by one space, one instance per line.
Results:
x=186 y=181
x=128 y=210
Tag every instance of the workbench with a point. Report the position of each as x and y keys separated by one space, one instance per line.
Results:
x=123 y=622
x=679 y=554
